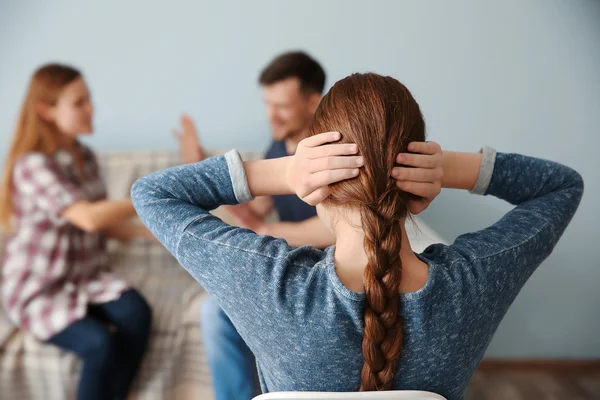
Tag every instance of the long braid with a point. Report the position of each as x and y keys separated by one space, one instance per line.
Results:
x=382 y=340
x=381 y=117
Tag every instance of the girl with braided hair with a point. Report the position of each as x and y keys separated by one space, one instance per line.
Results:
x=367 y=313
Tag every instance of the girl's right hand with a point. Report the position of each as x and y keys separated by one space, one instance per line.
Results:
x=318 y=164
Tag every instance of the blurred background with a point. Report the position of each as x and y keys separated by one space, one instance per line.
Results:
x=516 y=75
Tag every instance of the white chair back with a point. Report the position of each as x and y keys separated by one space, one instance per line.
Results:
x=387 y=395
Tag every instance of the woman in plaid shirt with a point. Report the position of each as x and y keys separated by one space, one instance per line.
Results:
x=56 y=283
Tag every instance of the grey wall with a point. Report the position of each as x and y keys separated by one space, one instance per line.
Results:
x=517 y=75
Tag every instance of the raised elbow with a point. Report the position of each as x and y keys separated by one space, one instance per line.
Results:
x=576 y=185
x=138 y=191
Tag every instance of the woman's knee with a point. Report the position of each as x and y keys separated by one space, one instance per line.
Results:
x=135 y=313
x=97 y=343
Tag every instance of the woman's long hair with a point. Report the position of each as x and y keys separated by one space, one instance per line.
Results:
x=33 y=133
x=381 y=116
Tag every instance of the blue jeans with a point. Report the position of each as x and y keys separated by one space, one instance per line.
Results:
x=110 y=358
x=231 y=362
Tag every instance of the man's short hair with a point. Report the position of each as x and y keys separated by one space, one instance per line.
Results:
x=296 y=64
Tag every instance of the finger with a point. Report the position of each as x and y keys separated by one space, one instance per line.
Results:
x=322 y=164
x=342 y=149
x=187 y=126
x=320 y=139
x=236 y=210
x=317 y=196
x=416 y=174
x=417 y=160
x=424 y=147
x=185 y=119
x=324 y=178
x=427 y=190
x=233 y=211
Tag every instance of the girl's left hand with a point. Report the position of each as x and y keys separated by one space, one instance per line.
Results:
x=317 y=164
